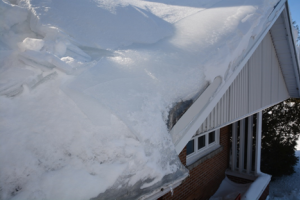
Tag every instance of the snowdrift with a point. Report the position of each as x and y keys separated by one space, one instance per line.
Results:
x=86 y=87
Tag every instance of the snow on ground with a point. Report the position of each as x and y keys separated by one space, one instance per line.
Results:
x=229 y=190
x=85 y=87
x=287 y=187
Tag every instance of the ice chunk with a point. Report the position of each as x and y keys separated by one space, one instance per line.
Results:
x=32 y=44
x=41 y=79
x=48 y=60
x=60 y=48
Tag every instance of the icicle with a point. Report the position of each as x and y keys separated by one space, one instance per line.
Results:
x=171 y=190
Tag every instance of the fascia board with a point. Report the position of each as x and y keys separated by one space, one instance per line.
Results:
x=215 y=98
x=288 y=24
x=187 y=126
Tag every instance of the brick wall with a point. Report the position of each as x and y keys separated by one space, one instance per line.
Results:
x=204 y=179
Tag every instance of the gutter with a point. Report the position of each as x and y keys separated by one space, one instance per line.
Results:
x=164 y=190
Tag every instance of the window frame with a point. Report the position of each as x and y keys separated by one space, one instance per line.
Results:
x=198 y=153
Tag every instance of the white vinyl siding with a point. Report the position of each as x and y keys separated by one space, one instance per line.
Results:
x=260 y=84
x=284 y=46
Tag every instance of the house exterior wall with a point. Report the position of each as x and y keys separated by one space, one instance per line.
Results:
x=205 y=178
x=260 y=84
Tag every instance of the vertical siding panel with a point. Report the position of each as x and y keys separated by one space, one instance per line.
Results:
x=247 y=88
x=227 y=106
x=235 y=98
x=270 y=66
x=220 y=111
x=226 y=113
x=223 y=110
x=252 y=82
x=216 y=116
x=206 y=124
x=238 y=96
x=200 y=129
x=266 y=69
x=263 y=70
x=217 y=113
x=250 y=86
x=212 y=120
x=245 y=91
x=283 y=92
x=275 y=77
x=259 y=77
x=231 y=102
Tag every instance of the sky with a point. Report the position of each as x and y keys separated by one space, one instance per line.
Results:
x=295 y=10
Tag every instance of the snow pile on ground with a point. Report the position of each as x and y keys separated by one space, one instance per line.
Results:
x=229 y=190
x=86 y=86
x=286 y=187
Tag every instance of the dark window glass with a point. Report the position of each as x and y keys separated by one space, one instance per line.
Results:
x=211 y=137
x=201 y=142
x=190 y=147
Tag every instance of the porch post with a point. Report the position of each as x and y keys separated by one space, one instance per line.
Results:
x=249 y=144
x=234 y=143
x=258 y=142
x=242 y=145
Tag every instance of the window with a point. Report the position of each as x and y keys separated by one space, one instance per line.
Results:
x=201 y=145
x=212 y=136
x=190 y=147
x=201 y=142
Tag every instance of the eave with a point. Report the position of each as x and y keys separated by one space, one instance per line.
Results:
x=204 y=105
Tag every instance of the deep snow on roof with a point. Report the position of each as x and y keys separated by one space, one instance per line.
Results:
x=86 y=86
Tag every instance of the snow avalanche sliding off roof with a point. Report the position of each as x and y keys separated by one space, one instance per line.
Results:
x=86 y=87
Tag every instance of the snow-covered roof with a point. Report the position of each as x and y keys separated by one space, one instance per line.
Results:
x=86 y=88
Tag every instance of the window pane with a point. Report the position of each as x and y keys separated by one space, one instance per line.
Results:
x=211 y=137
x=190 y=147
x=201 y=142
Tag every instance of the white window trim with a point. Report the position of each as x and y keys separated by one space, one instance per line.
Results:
x=198 y=153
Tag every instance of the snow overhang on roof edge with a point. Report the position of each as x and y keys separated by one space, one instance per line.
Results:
x=179 y=139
